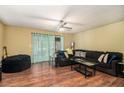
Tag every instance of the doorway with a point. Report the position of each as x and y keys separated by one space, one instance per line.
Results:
x=44 y=46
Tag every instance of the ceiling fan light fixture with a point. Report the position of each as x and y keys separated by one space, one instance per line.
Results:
x=61 y=29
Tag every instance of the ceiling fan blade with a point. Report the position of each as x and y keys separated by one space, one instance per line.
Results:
x=67 y=13
x=67 y=27
x=44 y=18
x=80 y=24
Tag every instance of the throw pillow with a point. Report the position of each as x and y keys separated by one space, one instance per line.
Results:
x=112 y=58
x=77 y=54
x=69 y=51
x=105 y=60
x=66 y=54
x=83 y=54
x=101 y=57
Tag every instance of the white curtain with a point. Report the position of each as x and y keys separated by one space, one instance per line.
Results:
x=43 y=47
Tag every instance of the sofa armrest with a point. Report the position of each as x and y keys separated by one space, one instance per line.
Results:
x=114 y=65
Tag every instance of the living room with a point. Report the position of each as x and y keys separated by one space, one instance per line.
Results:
x=37 y=33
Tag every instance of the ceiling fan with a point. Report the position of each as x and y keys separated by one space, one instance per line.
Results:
x=62 y=26
x=62 y=23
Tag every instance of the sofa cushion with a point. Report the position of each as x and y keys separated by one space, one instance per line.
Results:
x=91 y=59
x=93 y=55
x=104 y=65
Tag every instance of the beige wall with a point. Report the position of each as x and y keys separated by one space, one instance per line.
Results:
x=106 y=38
x=18 y=39
x=1 y=38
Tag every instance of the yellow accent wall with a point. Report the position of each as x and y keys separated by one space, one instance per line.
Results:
x=106 y=38
x=1 y=38
x=18 y=39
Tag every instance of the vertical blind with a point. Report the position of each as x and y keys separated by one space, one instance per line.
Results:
x=43 y=47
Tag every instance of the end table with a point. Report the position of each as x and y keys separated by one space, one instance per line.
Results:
x=120 y=69
x=0 y=74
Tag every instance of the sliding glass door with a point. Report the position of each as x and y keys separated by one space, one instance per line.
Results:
x=44 y=47
x=40 y=47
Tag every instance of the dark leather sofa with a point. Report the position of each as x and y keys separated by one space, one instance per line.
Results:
x=16 y=63
x=92 y=56
x=104 y=67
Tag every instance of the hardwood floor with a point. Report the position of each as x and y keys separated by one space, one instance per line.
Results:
x=43 y=75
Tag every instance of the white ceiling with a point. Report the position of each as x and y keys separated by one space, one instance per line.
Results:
x=44 y=17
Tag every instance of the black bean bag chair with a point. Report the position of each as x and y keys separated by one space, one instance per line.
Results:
x=16 y=63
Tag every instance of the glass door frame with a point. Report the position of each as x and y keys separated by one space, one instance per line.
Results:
x=33 y=61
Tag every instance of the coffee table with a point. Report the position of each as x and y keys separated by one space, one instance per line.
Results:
x=83 y=67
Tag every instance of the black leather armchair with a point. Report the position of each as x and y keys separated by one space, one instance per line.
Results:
x=61 y=59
